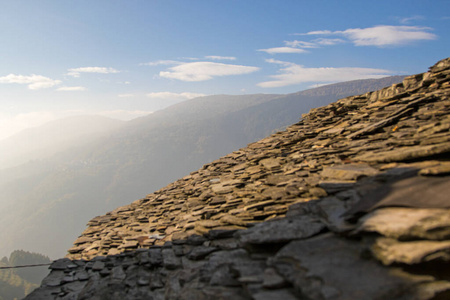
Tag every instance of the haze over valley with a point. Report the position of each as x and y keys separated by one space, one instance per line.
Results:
x=90 y=165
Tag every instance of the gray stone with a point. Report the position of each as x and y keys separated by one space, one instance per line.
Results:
x=328 y=265
x=224 y=275
x=170 y=261
x=283 y=230
x=272 y=280
x=98 y=265
x=334 y=186
x=271 y=295
x=155 y=256
x=200 y=252
x=60 y=264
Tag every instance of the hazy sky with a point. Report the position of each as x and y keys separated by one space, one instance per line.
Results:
x=127 y=58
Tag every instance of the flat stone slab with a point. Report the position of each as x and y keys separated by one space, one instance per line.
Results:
x=328 y=267
x=391 y=251
x=279 y=231
x=349 y=171
x=408 y=223
x=405 y=153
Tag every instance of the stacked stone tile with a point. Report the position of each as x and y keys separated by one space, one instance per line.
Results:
x=352 y=202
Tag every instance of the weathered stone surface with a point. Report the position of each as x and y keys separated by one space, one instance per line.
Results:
x=433 y=224
x=280 y=231
x=349 y=171
x=390 y=251
x=349 y=203
x=328 y=267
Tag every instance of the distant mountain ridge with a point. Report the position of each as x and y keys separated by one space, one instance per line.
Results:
x=136 y=158
x=50 y=138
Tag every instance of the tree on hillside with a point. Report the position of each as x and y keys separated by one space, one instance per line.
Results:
x=32 y=275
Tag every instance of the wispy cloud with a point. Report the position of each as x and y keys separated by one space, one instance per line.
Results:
x=300 y=44
x=279 y=62
x=76 y=72
x=291 y=74
x=283 y=50
x=71 y=88
x=408 y=20
x=297 y=46
x=316 y=43
x=327 y=42
x=161 y=62
x=34 y=82
x=203 y=70
x=382 y=35
x=216 y=57
x=170 y=95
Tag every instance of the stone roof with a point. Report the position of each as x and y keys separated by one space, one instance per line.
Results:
x=349 y=203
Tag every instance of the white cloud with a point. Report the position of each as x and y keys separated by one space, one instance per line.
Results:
x=292 y=74
x=388 y=35
x=283 y=50
x=34 y=82
x=76 y=72
x=203 y=70
x=216 y=57
x=161 y=62
x=71 y=88
x=170 y=95
x=382 y=35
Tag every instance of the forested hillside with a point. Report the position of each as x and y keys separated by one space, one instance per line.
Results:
x=17 y=283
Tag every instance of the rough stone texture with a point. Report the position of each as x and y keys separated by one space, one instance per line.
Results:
x=349 y=203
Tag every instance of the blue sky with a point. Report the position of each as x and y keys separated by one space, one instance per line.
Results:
x=124 y=59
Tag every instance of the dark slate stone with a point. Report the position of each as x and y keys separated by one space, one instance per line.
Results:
x=220 y=234
x=329 y=267
x=278 y=294
x=330 y=211
x=170 y=261
x=155 y=256
x=281 y=231
x=200 y=252
x=335 y=186
x=272 y=280
x=224 y=275
x=195 y=240
x=60 y=264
